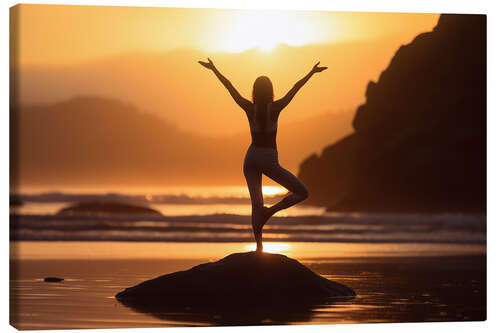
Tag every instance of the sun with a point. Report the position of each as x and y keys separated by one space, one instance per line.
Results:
x=273 y=247
x=266 y=29
x=273 y=190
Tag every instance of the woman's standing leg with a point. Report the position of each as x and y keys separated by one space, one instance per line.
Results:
x=254 y=182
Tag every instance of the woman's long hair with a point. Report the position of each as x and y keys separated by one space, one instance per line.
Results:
x=262 y=90
x=262 y=95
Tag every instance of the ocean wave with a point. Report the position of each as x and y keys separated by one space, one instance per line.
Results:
x=440 y=228
x=181 y=199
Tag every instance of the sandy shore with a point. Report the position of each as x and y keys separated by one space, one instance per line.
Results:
x=412 y=286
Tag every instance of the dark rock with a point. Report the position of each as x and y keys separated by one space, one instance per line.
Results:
x=53 y=279
x=107 y=208
x=14 y=201
x=420 y=138
x=238 y=289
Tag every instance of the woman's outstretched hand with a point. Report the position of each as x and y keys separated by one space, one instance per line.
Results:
x=210 y=65
x=317 y=69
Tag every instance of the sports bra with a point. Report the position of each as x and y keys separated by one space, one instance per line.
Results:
x=263 y=126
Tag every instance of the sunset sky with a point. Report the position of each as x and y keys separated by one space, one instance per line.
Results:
x=148 y=58
x=62 y=34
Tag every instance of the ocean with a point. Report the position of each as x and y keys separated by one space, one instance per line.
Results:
x=222 y=214
x=403 y=267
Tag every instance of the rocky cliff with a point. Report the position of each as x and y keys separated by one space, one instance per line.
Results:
x=420 y=138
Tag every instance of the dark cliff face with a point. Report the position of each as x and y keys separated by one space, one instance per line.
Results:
x=420 y=139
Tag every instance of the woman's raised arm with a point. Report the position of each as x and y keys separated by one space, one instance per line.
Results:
x=240 y=100
x=283 y=102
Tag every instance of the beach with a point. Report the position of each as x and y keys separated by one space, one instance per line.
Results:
x=393 y=282
x=403 y=267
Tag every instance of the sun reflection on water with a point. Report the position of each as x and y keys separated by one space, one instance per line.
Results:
x=271 y=247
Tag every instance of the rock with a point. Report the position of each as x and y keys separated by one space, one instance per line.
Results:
x=420 y=138
x=239 y=287
x=107 y=208
x=53 y=279
x=14 y=201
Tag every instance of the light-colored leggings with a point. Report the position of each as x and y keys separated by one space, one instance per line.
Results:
x=258 y=161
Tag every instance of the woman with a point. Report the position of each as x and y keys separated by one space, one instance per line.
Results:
x=262 y=155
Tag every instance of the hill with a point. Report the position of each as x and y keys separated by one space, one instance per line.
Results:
x=420 y=138
x=96 y=141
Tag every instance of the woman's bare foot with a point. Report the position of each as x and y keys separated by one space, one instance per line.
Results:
x=259 y=248
x=265 y=215
x=257 y=229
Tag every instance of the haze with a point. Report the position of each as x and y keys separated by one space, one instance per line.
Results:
x=147 y=57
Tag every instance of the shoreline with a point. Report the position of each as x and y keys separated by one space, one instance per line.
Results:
x=96 y=250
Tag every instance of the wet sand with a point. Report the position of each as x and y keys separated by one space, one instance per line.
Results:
x=397 y=288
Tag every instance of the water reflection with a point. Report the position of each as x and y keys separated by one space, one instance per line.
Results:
x=236 y=312
x=390 y=289
x=270 y=247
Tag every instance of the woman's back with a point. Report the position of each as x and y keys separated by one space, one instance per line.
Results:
x=263 y=121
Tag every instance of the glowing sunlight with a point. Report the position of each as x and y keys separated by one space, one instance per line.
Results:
x=266 y=29
x=273 y=190
x=273 y=247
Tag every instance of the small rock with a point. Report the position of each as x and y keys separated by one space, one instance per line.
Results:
x=53 y=279
x=107 y=208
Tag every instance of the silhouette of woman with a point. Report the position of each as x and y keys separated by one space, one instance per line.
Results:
x=262 y=155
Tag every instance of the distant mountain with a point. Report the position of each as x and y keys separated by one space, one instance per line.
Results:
x=97 y=141
x=420 y=138
x=173 y=86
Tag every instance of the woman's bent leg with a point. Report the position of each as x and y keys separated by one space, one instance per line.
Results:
x=286 y=179
x=254 y=182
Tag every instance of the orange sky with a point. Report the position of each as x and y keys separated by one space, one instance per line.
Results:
x=148 y=57
x=63 y=34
